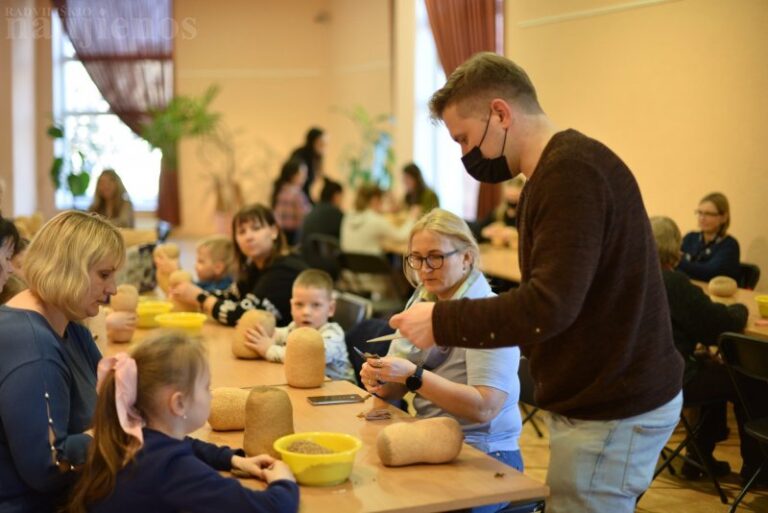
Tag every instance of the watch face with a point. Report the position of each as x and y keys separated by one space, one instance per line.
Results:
x=413 y=383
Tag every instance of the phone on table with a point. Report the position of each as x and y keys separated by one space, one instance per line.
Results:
x=321 y=400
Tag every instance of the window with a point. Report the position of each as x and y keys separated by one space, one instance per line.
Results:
x=92 y=130
x=438 y=156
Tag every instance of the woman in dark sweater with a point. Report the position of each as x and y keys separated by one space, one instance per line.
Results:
x=711 y=252
x=698 y=320
x=266 y=270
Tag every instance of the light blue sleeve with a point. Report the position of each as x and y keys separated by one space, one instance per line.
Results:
x=495 y=368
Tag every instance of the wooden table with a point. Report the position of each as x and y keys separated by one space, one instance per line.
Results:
x=472 y=479
x=468 y=481
x=747 y=298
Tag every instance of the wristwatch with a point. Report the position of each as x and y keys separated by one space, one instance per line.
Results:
x=202 y=297
x=414 y=381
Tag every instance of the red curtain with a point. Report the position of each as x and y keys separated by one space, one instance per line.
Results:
x=127 y=48
x=461 y=29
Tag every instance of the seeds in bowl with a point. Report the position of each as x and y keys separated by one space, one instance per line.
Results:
x=308 y=447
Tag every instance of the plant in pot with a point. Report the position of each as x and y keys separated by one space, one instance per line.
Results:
x=183 y=117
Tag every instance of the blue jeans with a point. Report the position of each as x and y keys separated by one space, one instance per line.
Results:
x=512 y=458
x=603 y=466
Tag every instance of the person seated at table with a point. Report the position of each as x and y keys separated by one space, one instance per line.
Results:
x=697 y=320
x=711 y=252
x=325 y=217
x=312 y=304
x=417 y=194
x=213 y=263
x=112 y=201
x=500 y=226
x=142 y=458
x=265 y=271
x=9 y=242
x=366 y=228
x=478 y=387
x=48 y=359
x=289 y=202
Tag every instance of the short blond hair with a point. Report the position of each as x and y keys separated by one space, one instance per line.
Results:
x=450 y=226
x=479 y=80
x=667 y=236
x=63 y=252
x=316 y=279
x=222 y=250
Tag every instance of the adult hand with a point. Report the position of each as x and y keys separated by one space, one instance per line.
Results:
x=185 y=292
x=257 y=339
x=277 y=471
x=388 y=369
x=415 y=324
x=254 y=465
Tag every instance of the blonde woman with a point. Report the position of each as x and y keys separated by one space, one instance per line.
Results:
x=111 y=200
x=48 y=360
x=479 y=387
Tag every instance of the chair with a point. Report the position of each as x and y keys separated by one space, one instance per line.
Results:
x=322 y=252
x=373 y=276
x=527 y=400
x=351 y=309
x=749 y=275
x=747 y=357
x=689 y=442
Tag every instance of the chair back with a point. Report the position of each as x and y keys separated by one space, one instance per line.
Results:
x=749 y=275
x=322 y=251
x=351 y=310
x=375 y=277
x=744 y=357
x=527 y=385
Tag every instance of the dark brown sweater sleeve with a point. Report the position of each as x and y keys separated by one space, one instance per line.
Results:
x=567 y=215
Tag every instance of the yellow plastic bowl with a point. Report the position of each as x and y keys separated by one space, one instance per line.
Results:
x=762 y=305
x=188 y=321
x=320 y=469
x=147 y=310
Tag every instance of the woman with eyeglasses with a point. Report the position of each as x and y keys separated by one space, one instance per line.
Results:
x=478 y=387
x=711 y=252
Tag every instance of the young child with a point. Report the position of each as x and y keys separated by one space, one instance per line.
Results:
x=312 y=304
x=140 y=458
x=215 y=256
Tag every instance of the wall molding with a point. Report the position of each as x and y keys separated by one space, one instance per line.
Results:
x=591 y=13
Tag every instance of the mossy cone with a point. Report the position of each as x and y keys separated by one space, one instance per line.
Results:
x=126 y=299
x=228 y=409
x=250 y=319
x=268 y=416
x=436 y=440
x=722 y=286
x=305 y=358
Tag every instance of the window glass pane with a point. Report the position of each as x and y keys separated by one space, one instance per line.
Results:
x=80 y=93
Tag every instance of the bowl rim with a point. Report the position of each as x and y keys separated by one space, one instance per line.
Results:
x=181 y=315
x=357 y=443
x=761 y=297
x=153 y=304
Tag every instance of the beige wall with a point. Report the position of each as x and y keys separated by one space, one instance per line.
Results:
x=677 y=89
x=282 y=67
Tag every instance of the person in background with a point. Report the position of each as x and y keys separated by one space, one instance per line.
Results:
x=141 y=458
x=501 y=224
x=324 y=220
x=366 y=228
x=601 y=355
x=265 y=271
x=711 y=252
x=312 y=304
x=289 y=202
x=112 y=201
x=478 y=387
x=311 y=154
x=213 y=263
x=417 y=194
x=9 y=242
x=697 y=320
x=48 y=359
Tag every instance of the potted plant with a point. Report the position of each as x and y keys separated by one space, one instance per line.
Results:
x=372 y=159
x=78 y=166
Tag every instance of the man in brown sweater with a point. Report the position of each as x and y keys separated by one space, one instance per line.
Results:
x=590 y=314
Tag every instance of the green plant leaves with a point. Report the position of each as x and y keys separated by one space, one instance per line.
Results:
x=55 y=172
x=78 y=183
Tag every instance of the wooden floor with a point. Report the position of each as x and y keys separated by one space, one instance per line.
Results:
x=667 y=494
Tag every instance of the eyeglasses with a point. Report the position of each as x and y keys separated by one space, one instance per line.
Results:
x=703 y=213
x=434 y=261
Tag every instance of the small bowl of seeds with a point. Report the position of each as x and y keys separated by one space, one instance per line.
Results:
x=319 y=458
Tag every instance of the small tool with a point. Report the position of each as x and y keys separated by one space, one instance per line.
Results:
x=384 y=338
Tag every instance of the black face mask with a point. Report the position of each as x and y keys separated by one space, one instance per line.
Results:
x=487 y=170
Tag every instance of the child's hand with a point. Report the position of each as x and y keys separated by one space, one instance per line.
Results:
x=254 y=465
x=257 y=339
x=185 y=292
x=277 y=471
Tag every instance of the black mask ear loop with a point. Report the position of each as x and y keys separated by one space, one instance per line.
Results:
x=503 y=144
x=487 y=124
